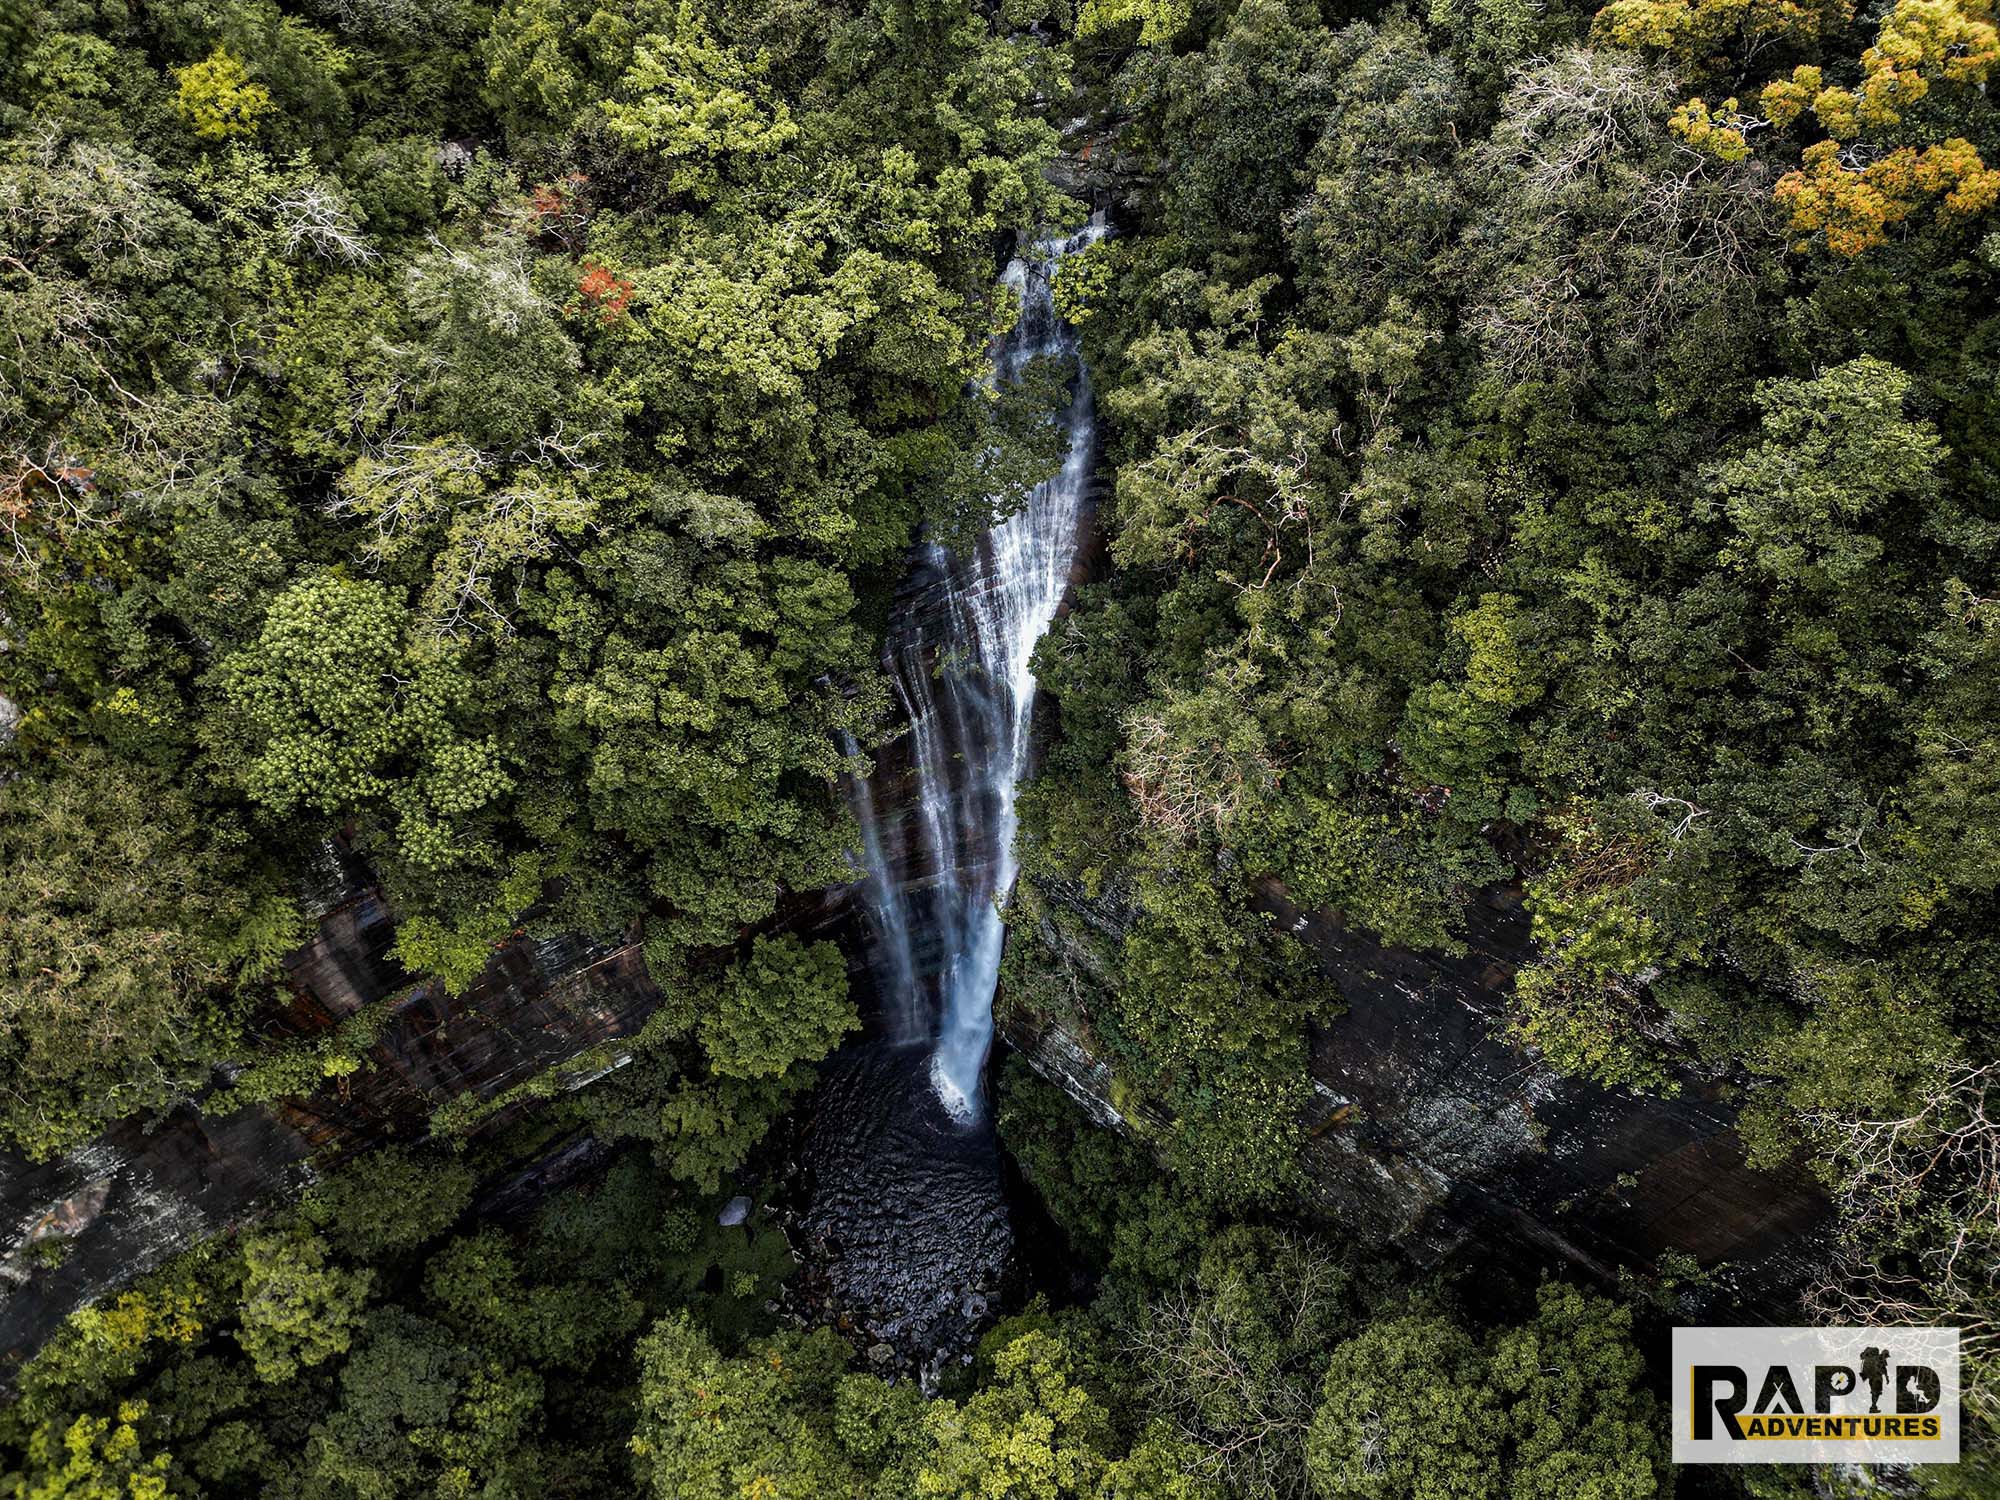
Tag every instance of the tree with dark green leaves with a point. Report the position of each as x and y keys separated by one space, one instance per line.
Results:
x=1414 y=1407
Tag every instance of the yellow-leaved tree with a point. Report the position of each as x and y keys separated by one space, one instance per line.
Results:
x=1854 y=186
x=218 y=99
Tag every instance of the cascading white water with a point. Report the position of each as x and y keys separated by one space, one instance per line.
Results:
x=961 y=673
x=886 y=906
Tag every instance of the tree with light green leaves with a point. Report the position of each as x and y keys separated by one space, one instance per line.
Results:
x=297 y=1310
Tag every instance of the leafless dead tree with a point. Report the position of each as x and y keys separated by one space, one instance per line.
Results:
x=1681 y=813
x=315 y=219
x=1203 y=475
x=1845 y=840
x=1246 y=1416
x=1183 y=775
x=1607 y=230
x=1919 y=1199
x=514 y=525
x=68 y=210
x=491 y=281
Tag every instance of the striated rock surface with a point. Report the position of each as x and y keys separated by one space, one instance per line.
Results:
x=1095 y=167
x=84 y=1224
x=1429 y=1131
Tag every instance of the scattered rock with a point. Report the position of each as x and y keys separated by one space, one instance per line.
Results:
x=903 y=1228
x=59 y=1223
x=734 y=1213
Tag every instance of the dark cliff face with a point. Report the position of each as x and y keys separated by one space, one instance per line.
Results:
x=123 y=1204
x=1429 y=1131
x=147 y=1189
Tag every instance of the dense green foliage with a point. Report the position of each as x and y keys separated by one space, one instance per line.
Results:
x=718 y=1063
x=485 y=429
x=376 y=1342
x=1484 y=506
x=1505 y=493
x=1291 y=1364
x=383 y=1339
x=490 y=431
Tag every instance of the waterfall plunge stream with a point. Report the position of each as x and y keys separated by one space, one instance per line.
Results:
x=962 y=673
x=907 y=1229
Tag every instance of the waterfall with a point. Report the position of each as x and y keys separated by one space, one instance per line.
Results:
x=893 y=945
x=959 y=663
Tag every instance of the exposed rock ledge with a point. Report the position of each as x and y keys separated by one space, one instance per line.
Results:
x=87 y=1222
x=1429 y=1131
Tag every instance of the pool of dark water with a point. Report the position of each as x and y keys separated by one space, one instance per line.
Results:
x=899 y=1211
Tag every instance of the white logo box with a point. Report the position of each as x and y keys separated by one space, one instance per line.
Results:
x=1815 y=1395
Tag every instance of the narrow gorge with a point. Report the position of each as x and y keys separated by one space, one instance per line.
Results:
x=1425 y=1126
x=907 y=1212
x=1061 y=748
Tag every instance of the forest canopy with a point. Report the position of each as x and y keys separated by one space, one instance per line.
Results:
x=480 y=436
x=1549 y=448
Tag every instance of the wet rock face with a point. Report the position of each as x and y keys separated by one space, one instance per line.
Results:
x=84 y=1224
x=1094 y=168
x=1429 y=1131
